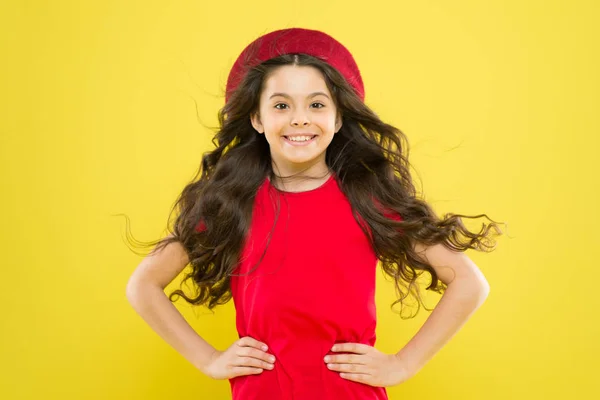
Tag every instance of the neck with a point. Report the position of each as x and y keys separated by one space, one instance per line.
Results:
x=301 y=180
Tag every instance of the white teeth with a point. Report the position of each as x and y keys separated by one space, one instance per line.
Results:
x=299 y=138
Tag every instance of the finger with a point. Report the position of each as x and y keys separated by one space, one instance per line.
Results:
x=363 y=378
x=352 y=368
x=251 y=342
x=240 y=371
x=347 y=359
x=252 y=362
x=252 y=352
x=358 y=348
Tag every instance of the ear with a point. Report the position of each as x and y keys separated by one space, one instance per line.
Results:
x=255 y=121
x=338 y=123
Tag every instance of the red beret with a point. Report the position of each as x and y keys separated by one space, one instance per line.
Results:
x=296 y=40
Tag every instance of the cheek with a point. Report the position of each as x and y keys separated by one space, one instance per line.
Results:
x=274 y=123
x=326 y=122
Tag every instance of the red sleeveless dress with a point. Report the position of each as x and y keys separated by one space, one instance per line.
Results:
x=314 y=287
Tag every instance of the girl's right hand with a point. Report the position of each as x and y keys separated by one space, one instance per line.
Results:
x=244 y=357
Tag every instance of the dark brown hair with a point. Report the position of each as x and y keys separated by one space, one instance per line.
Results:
x=370 y=161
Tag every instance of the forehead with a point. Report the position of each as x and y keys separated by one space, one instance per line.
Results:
x=295 y=81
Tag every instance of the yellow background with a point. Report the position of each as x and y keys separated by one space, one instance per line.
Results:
x=499 y=101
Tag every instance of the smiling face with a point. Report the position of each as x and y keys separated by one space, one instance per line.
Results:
x=295 y=103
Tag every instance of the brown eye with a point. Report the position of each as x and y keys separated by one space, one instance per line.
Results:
x=283 y=104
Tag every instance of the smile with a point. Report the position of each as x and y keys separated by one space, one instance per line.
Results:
x=305 y=140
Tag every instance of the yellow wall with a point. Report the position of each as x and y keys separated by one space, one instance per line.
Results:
x=499 y=100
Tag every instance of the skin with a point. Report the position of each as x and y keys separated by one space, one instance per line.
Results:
x=296 y=110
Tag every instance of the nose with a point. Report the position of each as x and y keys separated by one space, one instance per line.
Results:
x=300 y=118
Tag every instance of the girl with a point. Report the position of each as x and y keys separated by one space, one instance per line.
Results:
x=306 y=191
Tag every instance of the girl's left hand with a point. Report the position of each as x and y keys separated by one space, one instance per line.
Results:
x=368 y=365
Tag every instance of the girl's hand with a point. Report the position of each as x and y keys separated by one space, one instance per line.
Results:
x=244 y=357
x=368 y=365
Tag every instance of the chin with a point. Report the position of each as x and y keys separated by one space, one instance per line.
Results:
x=300 y=160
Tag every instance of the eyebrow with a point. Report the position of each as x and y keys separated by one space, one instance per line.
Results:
x=289 y=97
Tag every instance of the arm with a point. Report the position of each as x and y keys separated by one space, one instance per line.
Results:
x=145 y=292
x=467 y=290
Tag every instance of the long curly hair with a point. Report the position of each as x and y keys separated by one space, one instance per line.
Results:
x=370 y=161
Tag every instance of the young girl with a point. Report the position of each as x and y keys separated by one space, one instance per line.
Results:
x=306 y=191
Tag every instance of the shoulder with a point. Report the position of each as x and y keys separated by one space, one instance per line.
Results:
x=449 y=264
